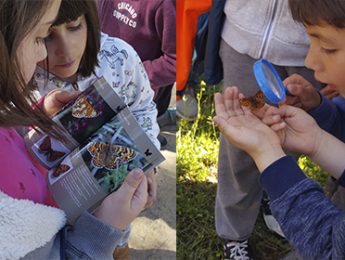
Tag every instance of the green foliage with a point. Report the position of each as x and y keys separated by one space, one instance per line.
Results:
x=197 y=153
x=197 y=142
x=196 y=236
x=312 y=170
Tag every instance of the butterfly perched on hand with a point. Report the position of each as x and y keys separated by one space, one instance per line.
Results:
x=61 y=169
x=109 y=155
x=254 y=102
x=46 y=148
x=82 y=108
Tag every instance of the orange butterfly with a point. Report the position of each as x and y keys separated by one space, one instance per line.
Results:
x=109 y=156
x=254 y=102
x=61 y=169
x=83 y=108
x=46 y=148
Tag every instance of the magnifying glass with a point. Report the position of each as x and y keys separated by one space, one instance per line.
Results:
x=269 y=81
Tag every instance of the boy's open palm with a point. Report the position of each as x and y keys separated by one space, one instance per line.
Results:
x=240 y=126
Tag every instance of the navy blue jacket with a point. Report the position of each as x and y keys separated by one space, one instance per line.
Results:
x=213 y=69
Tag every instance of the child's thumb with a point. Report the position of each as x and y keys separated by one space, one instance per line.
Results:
x=66 y=96
x=131 y=183
x=294 y=90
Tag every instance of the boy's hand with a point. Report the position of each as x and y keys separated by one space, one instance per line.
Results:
x=297 y=130
x=120 y=208
x=152 y=189
x=245 y=130
x=56 y=99
x=329 y=92
x=304 y=94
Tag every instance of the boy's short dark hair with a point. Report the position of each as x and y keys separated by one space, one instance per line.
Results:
x=315 y=12
x=69 y=11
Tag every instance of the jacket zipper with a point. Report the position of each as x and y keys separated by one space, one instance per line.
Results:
x=268 y=31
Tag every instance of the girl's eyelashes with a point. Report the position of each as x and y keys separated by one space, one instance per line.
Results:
x=328 y=51
x=74 y=27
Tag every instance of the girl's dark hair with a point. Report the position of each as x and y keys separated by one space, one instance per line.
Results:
x=17 y=19
x=316 y=12
x=69 y=11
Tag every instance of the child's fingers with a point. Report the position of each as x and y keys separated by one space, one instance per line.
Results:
x=219 y=105
x=234 y=107
x=223 y=126
x=130 y=184
x=239 y=110
x=279 y=126
x=230 y=94
x=140 y=195
x=272 y=119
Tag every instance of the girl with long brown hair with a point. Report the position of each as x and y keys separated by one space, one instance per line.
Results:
x=29 y=226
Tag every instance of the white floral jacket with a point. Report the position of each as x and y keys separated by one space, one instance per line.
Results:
x=122 y=68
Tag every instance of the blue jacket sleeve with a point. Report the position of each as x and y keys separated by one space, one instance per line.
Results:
x=330 y=116
x=309 y=220
x=89 y=238
x=213 y=69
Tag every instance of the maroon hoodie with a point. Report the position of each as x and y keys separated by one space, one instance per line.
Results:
x=150 y=27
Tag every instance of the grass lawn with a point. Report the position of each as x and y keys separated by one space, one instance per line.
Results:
x=197 y=153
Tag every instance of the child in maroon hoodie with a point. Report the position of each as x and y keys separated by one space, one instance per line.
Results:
x=150 y=27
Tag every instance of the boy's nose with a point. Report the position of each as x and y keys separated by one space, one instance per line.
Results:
x=312 y=60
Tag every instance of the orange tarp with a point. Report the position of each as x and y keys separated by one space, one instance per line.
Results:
x=187 y=13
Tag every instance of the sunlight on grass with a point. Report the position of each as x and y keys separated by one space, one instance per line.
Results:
x=197 y=142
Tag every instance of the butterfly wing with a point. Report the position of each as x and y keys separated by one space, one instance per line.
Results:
x=246 y=102
x=82 y=108
x=112 y=161
x=55 y=155
x=259 y=99
x=98 y=151
x=255 y=102
x=61 y=169
x=124 y=153
x=45 y=146
x=117 y=154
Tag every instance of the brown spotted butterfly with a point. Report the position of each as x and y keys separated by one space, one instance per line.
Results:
x=254 y=102
x=109 y=156
x=82 y=108
x=46 y=148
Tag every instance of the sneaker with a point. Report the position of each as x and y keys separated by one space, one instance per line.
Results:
x=237 y=250
x=187 y=107
x=270 y=221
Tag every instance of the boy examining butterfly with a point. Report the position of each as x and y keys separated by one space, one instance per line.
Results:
x=311 y=222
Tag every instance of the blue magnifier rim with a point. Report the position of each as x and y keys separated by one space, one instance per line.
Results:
x=264 y=83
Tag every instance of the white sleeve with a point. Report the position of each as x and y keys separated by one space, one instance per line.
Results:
x=122 y=68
